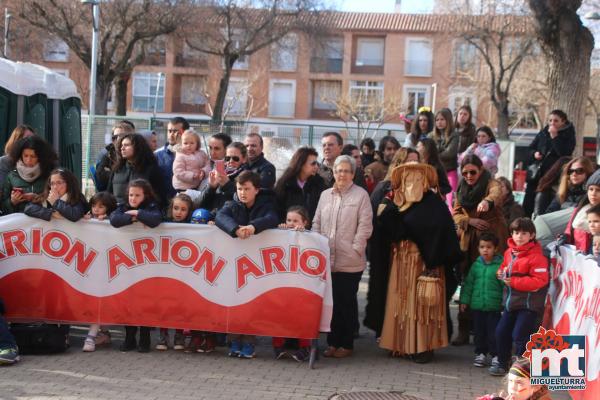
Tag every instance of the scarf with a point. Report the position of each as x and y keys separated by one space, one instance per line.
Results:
x=470 y=196
x=28 y=174
x=580 y=220
x=172 y=148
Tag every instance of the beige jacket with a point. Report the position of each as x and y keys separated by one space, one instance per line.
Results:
x=346 y=219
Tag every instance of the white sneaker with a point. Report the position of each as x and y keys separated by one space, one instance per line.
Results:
x=495 y=362
x=89 y=345
x=480 y=360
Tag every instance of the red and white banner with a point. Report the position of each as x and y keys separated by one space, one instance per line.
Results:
x=575 y=296
x=277 y=283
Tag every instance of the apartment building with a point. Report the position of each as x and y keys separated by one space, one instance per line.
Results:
x=412 y=58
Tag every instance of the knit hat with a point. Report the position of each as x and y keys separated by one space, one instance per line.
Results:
x=593 y=180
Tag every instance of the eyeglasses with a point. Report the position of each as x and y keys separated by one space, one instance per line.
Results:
x=57 y=183
x=578 y=171
x=470 y=172
x=343 y=171
x=232 y=158
x=172 y=130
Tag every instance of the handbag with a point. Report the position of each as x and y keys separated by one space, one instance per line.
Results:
x=41 y=338
x=533 y=171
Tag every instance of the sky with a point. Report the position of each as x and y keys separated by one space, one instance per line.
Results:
x=408 y=6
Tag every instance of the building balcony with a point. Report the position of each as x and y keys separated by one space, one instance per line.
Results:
x=190 y=62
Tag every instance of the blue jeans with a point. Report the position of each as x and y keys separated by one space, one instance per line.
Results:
x=484 y=325
x=514 y=326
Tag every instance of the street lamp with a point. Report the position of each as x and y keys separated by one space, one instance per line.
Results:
x=7 y=17
x=93 y=72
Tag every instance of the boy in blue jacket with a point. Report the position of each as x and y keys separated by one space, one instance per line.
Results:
x=251 y=211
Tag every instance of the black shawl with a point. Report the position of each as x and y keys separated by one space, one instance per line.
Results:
x=470 y=196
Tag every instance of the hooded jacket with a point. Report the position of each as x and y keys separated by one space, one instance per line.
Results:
x=482 y=290
x=527 y=268
x=262 y=215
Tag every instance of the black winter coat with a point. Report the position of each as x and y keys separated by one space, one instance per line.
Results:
x=148 y=214
x=552 y=149
x=71 y=212
x=262 y=215
x=290 y=194
x=117 y=185
x=265 y=169
x=104 y=164
x=574 y=196
x=378 y=254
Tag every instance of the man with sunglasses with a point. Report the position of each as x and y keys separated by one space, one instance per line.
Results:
x=166 y=155
x=257 y=161
x=108 y=155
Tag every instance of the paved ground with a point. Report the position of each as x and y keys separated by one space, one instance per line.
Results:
x=109 y=374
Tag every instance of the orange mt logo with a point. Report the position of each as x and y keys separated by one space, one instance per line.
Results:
x=556 y=360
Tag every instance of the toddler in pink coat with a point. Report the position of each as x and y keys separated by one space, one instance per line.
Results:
x=191 y=164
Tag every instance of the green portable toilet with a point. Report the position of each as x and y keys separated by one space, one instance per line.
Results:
x=48 y=101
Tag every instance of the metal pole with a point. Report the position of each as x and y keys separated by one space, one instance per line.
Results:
x=434 y=86
x=160 y=74
x=93 y=78
x=598 y=139
x=7 y=17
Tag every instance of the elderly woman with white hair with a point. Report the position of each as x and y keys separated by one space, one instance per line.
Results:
x=345 y=217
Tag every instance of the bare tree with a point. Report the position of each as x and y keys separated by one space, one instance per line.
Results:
x=568 y=47
x=232 y=30
x=364 y=111
x=502 y=45
x=126 y=29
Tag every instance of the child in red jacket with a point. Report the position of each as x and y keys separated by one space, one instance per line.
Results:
x=525 y=274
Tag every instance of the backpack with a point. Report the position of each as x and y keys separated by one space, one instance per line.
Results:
x=41 y=338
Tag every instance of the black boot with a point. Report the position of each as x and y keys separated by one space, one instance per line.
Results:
x=129 y=343
x=144 y=342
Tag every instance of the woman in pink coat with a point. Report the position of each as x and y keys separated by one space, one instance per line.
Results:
x=344 y=215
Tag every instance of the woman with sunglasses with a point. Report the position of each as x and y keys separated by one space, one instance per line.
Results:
x=477 y=209
x=221 y=187
x=571 y=188
x=300 y=184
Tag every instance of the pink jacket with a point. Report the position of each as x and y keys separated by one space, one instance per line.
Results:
x=489 y=154
x=346 y=219
x=185 y=166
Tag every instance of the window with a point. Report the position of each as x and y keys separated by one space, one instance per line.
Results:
x=238 y=42
x=236 y=98
x=461 y=96
x=56 y=50
x=284 y=53
x=464 y=59
x=282 y=98
x=366 y=92
x=189 y=57
x=193 y=90
x=415 y=97
x=418 y=57
x=369 y=52
x=147 y=91
x=156 y=52
x=63 y=72
x=328 y=56
x=325 y=93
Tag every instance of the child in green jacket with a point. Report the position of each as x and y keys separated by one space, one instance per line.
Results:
x=482 y=293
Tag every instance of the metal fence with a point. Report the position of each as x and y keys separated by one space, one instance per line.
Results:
x=281 y=139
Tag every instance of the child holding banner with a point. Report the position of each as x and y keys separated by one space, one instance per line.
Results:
x=179 y=211
x=62 y=198
x=140 y=207
x=249 y=213
x=102 y=204
x=525 y=274
x=296 y=219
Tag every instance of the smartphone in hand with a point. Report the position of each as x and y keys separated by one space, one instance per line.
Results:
x=220 y=166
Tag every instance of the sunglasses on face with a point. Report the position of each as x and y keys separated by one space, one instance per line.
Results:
x=232 y=158
x=578 y=171
x=470 y=172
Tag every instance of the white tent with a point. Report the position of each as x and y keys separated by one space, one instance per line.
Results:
x=27 y=79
